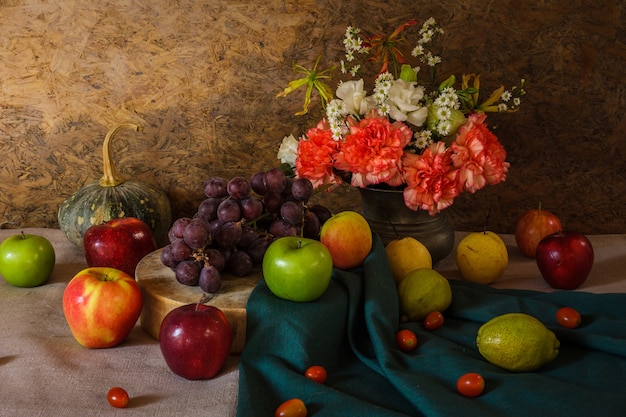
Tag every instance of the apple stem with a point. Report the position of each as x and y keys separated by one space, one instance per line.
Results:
x=205 y=298
x=23 y=235
x=299 y=244
x=487 y=221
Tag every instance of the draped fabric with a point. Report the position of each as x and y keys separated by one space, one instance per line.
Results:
x=350 y=331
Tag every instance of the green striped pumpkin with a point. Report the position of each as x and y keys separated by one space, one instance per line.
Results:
x=113 y=197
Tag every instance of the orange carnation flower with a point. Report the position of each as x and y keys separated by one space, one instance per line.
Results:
x=372 y=150
x=478 y=155
x=316 y=155
x=431 y=179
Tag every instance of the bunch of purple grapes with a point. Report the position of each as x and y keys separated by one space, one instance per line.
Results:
x=235 y=224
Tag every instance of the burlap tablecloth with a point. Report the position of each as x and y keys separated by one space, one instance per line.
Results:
x=44 y=372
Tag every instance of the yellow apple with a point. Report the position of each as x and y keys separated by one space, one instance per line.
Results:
x=482 y=257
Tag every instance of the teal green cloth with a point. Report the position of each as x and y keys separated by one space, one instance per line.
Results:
x=350 y=331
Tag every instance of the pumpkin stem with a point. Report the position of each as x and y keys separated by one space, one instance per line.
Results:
x=111 y=176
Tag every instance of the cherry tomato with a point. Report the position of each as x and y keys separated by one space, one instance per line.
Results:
x=433 y=320
x=291 y=408
x=317 y=373
x=406 y=339
x=470 y=384
x=118 y=397
x=568 y=317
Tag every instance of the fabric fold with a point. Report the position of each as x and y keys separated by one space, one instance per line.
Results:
x=351 y=329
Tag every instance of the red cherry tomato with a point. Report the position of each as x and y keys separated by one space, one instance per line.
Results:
x=118 y=397
x=568 y=317
x=317 y=373
x=433 y=320
x=470 y=384
x=406 y=340
x=291 y=408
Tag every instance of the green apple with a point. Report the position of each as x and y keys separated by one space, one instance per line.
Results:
x=297 y=269
x=26 y=260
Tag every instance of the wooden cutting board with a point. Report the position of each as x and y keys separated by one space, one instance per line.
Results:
x=163 y=293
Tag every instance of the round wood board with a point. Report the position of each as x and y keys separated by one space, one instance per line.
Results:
x=163 y=293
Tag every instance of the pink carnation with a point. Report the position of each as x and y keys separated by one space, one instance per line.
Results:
x=316 y=155
x=372 y=151
x=431 y=179
x=478 y=155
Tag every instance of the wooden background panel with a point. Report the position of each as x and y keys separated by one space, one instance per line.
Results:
x=201 y=77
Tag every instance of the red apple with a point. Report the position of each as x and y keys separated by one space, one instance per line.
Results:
x=101 y=306
x=297 y=268
x=118 y=243
x=565 y=259
x=195 y=340
x=532 y=226
x=348 y=237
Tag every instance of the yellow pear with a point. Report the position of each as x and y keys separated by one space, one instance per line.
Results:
x=405 y=255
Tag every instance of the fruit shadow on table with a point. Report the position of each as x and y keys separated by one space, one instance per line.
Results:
x=350 y=331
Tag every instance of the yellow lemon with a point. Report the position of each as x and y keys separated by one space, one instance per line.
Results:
x=482 y=257
x=423 y=291
x=405 y=255
x=517 y=342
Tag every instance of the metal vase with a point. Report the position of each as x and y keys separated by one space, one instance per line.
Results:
x=388 y=216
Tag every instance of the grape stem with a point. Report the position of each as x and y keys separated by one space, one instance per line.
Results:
x=253 y=221
x=304 y=210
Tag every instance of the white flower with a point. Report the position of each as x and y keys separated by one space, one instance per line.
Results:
x=423 y=139
x=384 y=109
x=444 y=127
x=433 y=60
x=288 y=150
x=443 y=113
x=418 y=51
x=404 y=100
x=353 y=96
x=335 y=113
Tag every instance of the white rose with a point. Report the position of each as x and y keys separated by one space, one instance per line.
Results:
x=353 y=96
x=288 y=150
x=404 y=102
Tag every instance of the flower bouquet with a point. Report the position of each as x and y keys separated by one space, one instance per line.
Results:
x=432 y=143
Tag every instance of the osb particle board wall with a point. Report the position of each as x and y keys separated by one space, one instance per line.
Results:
x=201 y=77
